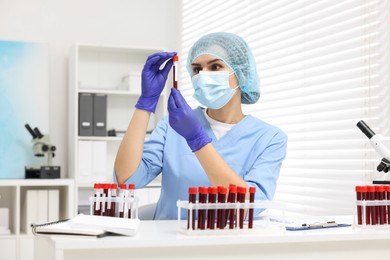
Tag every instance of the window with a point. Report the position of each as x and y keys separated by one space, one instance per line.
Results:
x=323 y=67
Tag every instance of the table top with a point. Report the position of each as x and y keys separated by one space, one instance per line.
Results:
x=171 y=233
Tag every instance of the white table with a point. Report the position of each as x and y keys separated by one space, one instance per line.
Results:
x=161 y=240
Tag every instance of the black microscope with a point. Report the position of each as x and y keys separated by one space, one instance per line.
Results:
x=42 y=147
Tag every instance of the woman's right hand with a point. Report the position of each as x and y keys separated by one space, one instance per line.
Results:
x=154 y=79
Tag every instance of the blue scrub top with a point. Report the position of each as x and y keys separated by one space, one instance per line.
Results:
x=252 y=148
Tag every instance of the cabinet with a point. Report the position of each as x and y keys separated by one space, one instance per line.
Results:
x=114 y=73
x=19 y=244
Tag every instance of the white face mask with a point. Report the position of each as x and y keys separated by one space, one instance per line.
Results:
x=212 y=88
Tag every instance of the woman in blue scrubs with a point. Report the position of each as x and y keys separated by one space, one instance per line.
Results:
x=213 y=145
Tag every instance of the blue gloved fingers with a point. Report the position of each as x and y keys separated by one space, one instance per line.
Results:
x=184 y=121
x=178 y=99
x=155 y=60
x=154 y=79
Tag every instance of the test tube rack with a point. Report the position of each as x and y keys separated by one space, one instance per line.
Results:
x=372 y=207
x=114 y=206
x=187 y=226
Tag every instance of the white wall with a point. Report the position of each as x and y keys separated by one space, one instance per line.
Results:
x=61 y=23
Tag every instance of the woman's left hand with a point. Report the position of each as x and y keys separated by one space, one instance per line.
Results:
x=182 y=118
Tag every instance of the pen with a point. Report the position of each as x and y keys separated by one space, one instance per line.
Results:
x=321 y=225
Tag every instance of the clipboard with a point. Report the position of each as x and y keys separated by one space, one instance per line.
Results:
x=317 y=225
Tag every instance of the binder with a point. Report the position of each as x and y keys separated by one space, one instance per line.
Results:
x=85 y=114
x=100 y=115
x=30 y=209
x=53 y=205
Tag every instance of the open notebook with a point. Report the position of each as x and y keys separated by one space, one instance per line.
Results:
x=86 y=225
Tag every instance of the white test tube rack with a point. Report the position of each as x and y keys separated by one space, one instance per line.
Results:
x=258 y=226
x=121 y=204
x=371 y=203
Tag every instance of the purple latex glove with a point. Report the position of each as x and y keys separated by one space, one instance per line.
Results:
x=153 y=80
x=182 y=118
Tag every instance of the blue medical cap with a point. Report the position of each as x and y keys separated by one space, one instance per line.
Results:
x=236 y=54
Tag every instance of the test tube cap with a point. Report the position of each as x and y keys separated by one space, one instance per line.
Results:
x=371 y=188
x=232 y=189
x=175 y=58
x=252 y=189
x=192 y=190
x=241 y=190
x=106 y=186
x=113 y=186
x=361 y=188
x=380 y=188
x=122 y=186
x=131 y=186
x=213 y=190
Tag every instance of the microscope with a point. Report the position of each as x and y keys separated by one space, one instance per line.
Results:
x=42 y=147
x=376 y=141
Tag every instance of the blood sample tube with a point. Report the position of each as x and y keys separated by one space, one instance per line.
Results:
x=202 y=212
x=122 y=196
x=106 y=188
x=175 y=69
x=371 y=208
x=232 y=199
x=360 y=196
x=380 y=196
x=211 y=212
x=252 y=191
x=219 y=188
x=131 y=195
x=191 y=199
x=97 y=208
x=113 y=188
x=387 y=189
x=241 y=191
x=221 y=217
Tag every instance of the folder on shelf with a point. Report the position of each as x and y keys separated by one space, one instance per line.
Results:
x=30 y=209
x=99 y=115
x=87 y=225
x=85 y=114
x=42 y=206
x=53 y=205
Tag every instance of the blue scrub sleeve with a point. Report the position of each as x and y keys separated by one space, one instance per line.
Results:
x=265 y=171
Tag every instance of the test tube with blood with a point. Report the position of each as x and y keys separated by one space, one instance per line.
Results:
x=97 y=205
x=202 y=212
x=211 y=212
x=252 y=191
x=232 y=199
x=360 y=196
x=122 y=196
x=221 y=215
x=371 y=210
x=387 y=188
x=131 y=195
x=113 y=188
x=191 y=214
x=175 y=69
x=107 y=206
x=241 y=191
x=219 y=188
x=381 y=209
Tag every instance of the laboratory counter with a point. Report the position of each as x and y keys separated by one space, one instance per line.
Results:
x=162 y=240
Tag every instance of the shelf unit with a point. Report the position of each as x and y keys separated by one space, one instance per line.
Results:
x=114 y=71
x=19 y=245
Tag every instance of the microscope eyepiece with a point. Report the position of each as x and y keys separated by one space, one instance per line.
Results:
x=38 y=133
x=365 y=129
x=31 y=131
